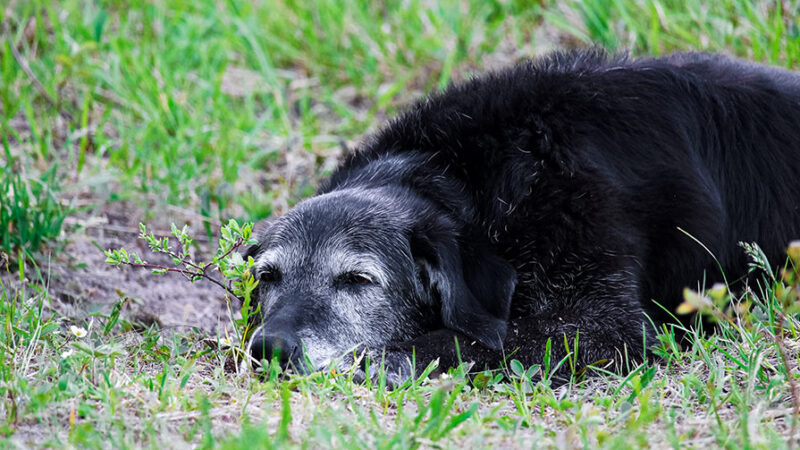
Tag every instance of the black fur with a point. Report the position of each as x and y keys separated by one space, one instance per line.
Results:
x=555 y=193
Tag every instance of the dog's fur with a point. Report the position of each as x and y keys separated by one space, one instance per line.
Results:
x=543 y=202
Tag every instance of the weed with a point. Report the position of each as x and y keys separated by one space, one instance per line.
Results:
x=237 y=279
x=31 y=214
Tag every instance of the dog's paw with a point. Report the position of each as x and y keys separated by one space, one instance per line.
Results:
x=395 y=366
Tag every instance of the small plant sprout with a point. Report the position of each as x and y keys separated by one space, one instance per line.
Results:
x=237 y=279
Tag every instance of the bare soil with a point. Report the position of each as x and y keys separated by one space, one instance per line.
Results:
x=81 y=283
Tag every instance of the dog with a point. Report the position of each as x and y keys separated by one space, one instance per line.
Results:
x=559 y=205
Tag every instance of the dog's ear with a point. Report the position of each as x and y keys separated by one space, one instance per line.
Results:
x=473 y=285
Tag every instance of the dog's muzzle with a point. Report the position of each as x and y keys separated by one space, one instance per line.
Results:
x=285 y=348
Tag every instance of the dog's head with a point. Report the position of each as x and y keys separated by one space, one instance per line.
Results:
x=365 y=267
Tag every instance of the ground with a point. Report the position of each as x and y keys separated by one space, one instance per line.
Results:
x=198 y=112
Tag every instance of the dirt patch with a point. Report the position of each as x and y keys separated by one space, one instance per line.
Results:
x=80 y=282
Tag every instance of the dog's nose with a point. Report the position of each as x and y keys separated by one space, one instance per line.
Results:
x=283 y=346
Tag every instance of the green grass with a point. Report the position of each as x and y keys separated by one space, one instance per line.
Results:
x=236 y=109
x=107 y=382
x=760 y=31
x=148 y=84
x=31 y=214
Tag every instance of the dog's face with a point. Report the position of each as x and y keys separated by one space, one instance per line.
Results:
x=362 y=268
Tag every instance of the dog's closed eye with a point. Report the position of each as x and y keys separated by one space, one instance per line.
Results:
x=354 y=279
x=271 y=274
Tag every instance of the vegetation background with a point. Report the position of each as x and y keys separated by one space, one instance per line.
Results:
x=115 y=112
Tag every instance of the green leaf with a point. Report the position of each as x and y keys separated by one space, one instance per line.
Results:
x=112 y=257
x=516 y=368
x=482 y=380
x=531 y=372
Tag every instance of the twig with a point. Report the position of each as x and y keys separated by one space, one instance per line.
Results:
x=188 y=262
x=235 y=245
x=199 y=271
x=187 y=273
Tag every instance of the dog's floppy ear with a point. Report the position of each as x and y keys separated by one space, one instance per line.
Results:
x=473 y=285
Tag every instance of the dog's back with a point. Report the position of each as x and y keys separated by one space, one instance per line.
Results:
x=693 y=141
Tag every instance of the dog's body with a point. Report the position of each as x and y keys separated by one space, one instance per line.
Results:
x=553 y=200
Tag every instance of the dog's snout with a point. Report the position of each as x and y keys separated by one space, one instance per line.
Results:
x=283 y=346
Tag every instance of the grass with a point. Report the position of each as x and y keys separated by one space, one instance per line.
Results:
x=226 y=109
x=31 y=213
x=108 y=382
x=756 y=30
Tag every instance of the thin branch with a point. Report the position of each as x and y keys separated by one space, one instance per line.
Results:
x=187 y=262
x=187 y=273
x=236 y=244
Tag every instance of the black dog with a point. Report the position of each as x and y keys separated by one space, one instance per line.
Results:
x=545 y=202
